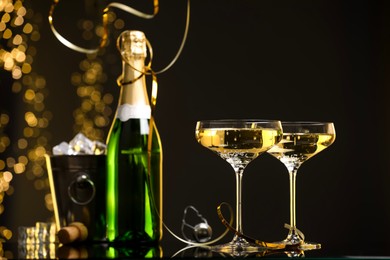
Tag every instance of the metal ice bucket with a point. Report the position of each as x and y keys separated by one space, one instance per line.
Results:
x=77 y=184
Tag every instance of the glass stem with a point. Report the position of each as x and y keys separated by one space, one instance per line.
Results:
x=293 y=223
x=239 y=173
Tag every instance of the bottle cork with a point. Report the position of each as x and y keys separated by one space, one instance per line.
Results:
x=74 y=232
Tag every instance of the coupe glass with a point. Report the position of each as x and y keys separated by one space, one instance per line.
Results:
x=238 y=141
x=301 y=141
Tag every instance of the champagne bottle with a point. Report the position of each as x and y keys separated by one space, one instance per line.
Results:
x=134 y=176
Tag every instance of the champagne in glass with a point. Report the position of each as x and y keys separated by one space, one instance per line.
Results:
x=238 y=142
x=301 y=141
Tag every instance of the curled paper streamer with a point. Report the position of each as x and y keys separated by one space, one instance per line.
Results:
x=266 y=245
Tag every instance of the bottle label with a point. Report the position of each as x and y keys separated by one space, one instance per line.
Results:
x=126 y=112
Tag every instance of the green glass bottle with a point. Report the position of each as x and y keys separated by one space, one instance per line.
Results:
x=134 y=192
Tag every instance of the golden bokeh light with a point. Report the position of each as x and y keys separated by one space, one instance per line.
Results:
x=7 y=233
x=7 y=176
x=16 y=72
x=27 y=28
x=21 y=10
x=94 y=112
x=19 y=168
x=2 y=26
x=22 y=143
x=18 y=21
x=6 y=18
x=7 y=34
x=9 y=7
x=2 y=165
x=19 y=26
x=19 y=29
x=10 y=162
x=49 y=201
x=23 y=159
x=31 y=119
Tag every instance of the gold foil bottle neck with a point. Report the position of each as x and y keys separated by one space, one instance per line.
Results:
x=133 y=43
x=133 y=50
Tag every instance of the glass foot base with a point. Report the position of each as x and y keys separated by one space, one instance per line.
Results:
x=238 y=247
x=298 y=243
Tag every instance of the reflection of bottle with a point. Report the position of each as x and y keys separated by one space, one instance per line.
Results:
x=136 y=252
x=134 y=194
x=104 y=251
x=82 y=251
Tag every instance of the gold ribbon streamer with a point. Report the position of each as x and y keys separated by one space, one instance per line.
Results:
x=149 y=66
x=266 y=245
x=104 y=38
x=153 y=127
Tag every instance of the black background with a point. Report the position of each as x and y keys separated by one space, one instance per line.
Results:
x=279 y=59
